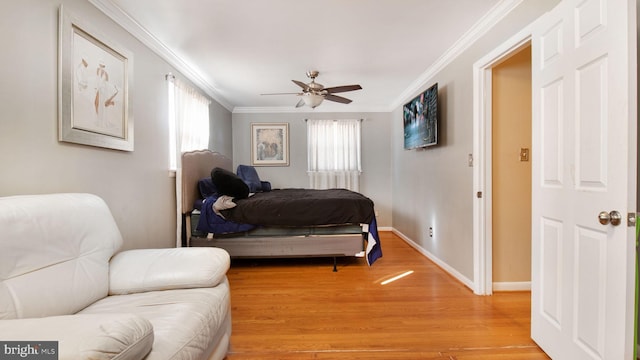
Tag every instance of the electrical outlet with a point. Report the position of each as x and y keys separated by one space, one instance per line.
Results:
x=431 y=231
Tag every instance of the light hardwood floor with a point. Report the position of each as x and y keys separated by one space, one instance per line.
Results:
x=300 y=309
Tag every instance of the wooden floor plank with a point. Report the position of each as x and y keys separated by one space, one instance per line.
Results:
x=300 y=309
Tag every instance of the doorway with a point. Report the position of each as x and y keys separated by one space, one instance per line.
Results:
x=511 y=172
x=483 y=221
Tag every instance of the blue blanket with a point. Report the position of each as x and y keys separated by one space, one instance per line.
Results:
x=210 y=222
x=374 y=250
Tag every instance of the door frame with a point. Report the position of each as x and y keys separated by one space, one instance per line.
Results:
x=482 y=161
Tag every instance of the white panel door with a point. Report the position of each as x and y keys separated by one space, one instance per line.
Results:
x=584 y=162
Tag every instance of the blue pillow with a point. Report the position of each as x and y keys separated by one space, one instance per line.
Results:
x=249 y=175
x=207 y=188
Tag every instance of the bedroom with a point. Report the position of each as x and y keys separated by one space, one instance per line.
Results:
x=142 y=174
x=132 y=182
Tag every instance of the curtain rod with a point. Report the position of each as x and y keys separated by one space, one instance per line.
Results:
x=169 y=76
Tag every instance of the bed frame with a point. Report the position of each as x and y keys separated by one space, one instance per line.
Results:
x=198 y=164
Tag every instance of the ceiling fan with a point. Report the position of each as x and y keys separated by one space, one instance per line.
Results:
x=313 y=93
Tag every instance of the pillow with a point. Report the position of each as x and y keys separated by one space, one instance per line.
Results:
x=229 y=183
x=207 y=188
x=249 y=175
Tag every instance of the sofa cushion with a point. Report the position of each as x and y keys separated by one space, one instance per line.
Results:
x=166 y=269
x=58 y=245
x=185 y=321
x=90 y=336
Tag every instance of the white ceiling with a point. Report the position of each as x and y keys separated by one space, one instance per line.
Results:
x=238 y=49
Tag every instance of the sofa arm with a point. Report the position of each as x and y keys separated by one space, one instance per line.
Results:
x=135 y=271
x=85 y=336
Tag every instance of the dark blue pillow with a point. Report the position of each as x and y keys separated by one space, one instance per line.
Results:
x=207 y=188
x=229 y=183
x=250 y=177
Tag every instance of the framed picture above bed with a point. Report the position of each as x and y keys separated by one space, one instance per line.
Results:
x=270 y=144
x=94 y=98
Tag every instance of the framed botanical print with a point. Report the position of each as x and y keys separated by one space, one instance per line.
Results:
x=94 y=92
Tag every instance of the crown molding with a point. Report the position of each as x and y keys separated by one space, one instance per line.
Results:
x=480 y=28
x=139 y=32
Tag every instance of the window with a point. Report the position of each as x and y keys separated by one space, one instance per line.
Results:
x=188 y=130
x=188 y=120
x=334 y=154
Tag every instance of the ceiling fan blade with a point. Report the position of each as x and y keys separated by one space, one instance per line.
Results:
x=337 y=98
x=287 y=93
x=300 y=103
x=345 y=88
x=304 y=86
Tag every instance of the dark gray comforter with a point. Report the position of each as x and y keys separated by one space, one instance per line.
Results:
x=302 y=207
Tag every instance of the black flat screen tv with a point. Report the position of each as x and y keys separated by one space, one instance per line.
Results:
x=420 y=117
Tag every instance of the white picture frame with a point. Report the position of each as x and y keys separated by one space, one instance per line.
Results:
x=270 y=144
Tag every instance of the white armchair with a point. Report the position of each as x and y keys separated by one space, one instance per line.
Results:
x=60 y=281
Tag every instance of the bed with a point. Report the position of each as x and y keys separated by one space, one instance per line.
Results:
x=267 y=240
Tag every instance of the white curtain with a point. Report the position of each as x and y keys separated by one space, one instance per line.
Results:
x=334 y=154
x=188 y=120
x=188 y=130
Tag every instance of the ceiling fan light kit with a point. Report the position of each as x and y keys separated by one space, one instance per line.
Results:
x=313 y=93
x=312 y=100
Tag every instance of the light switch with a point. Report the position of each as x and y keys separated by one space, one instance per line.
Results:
x=524 y=154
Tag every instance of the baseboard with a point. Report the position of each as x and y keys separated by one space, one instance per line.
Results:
x=443 y=265
x=512 y=286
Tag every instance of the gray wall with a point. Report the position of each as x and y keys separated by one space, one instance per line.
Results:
x=136 y=185
x=375 y=181
x=220 y=139
x=434 y=187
